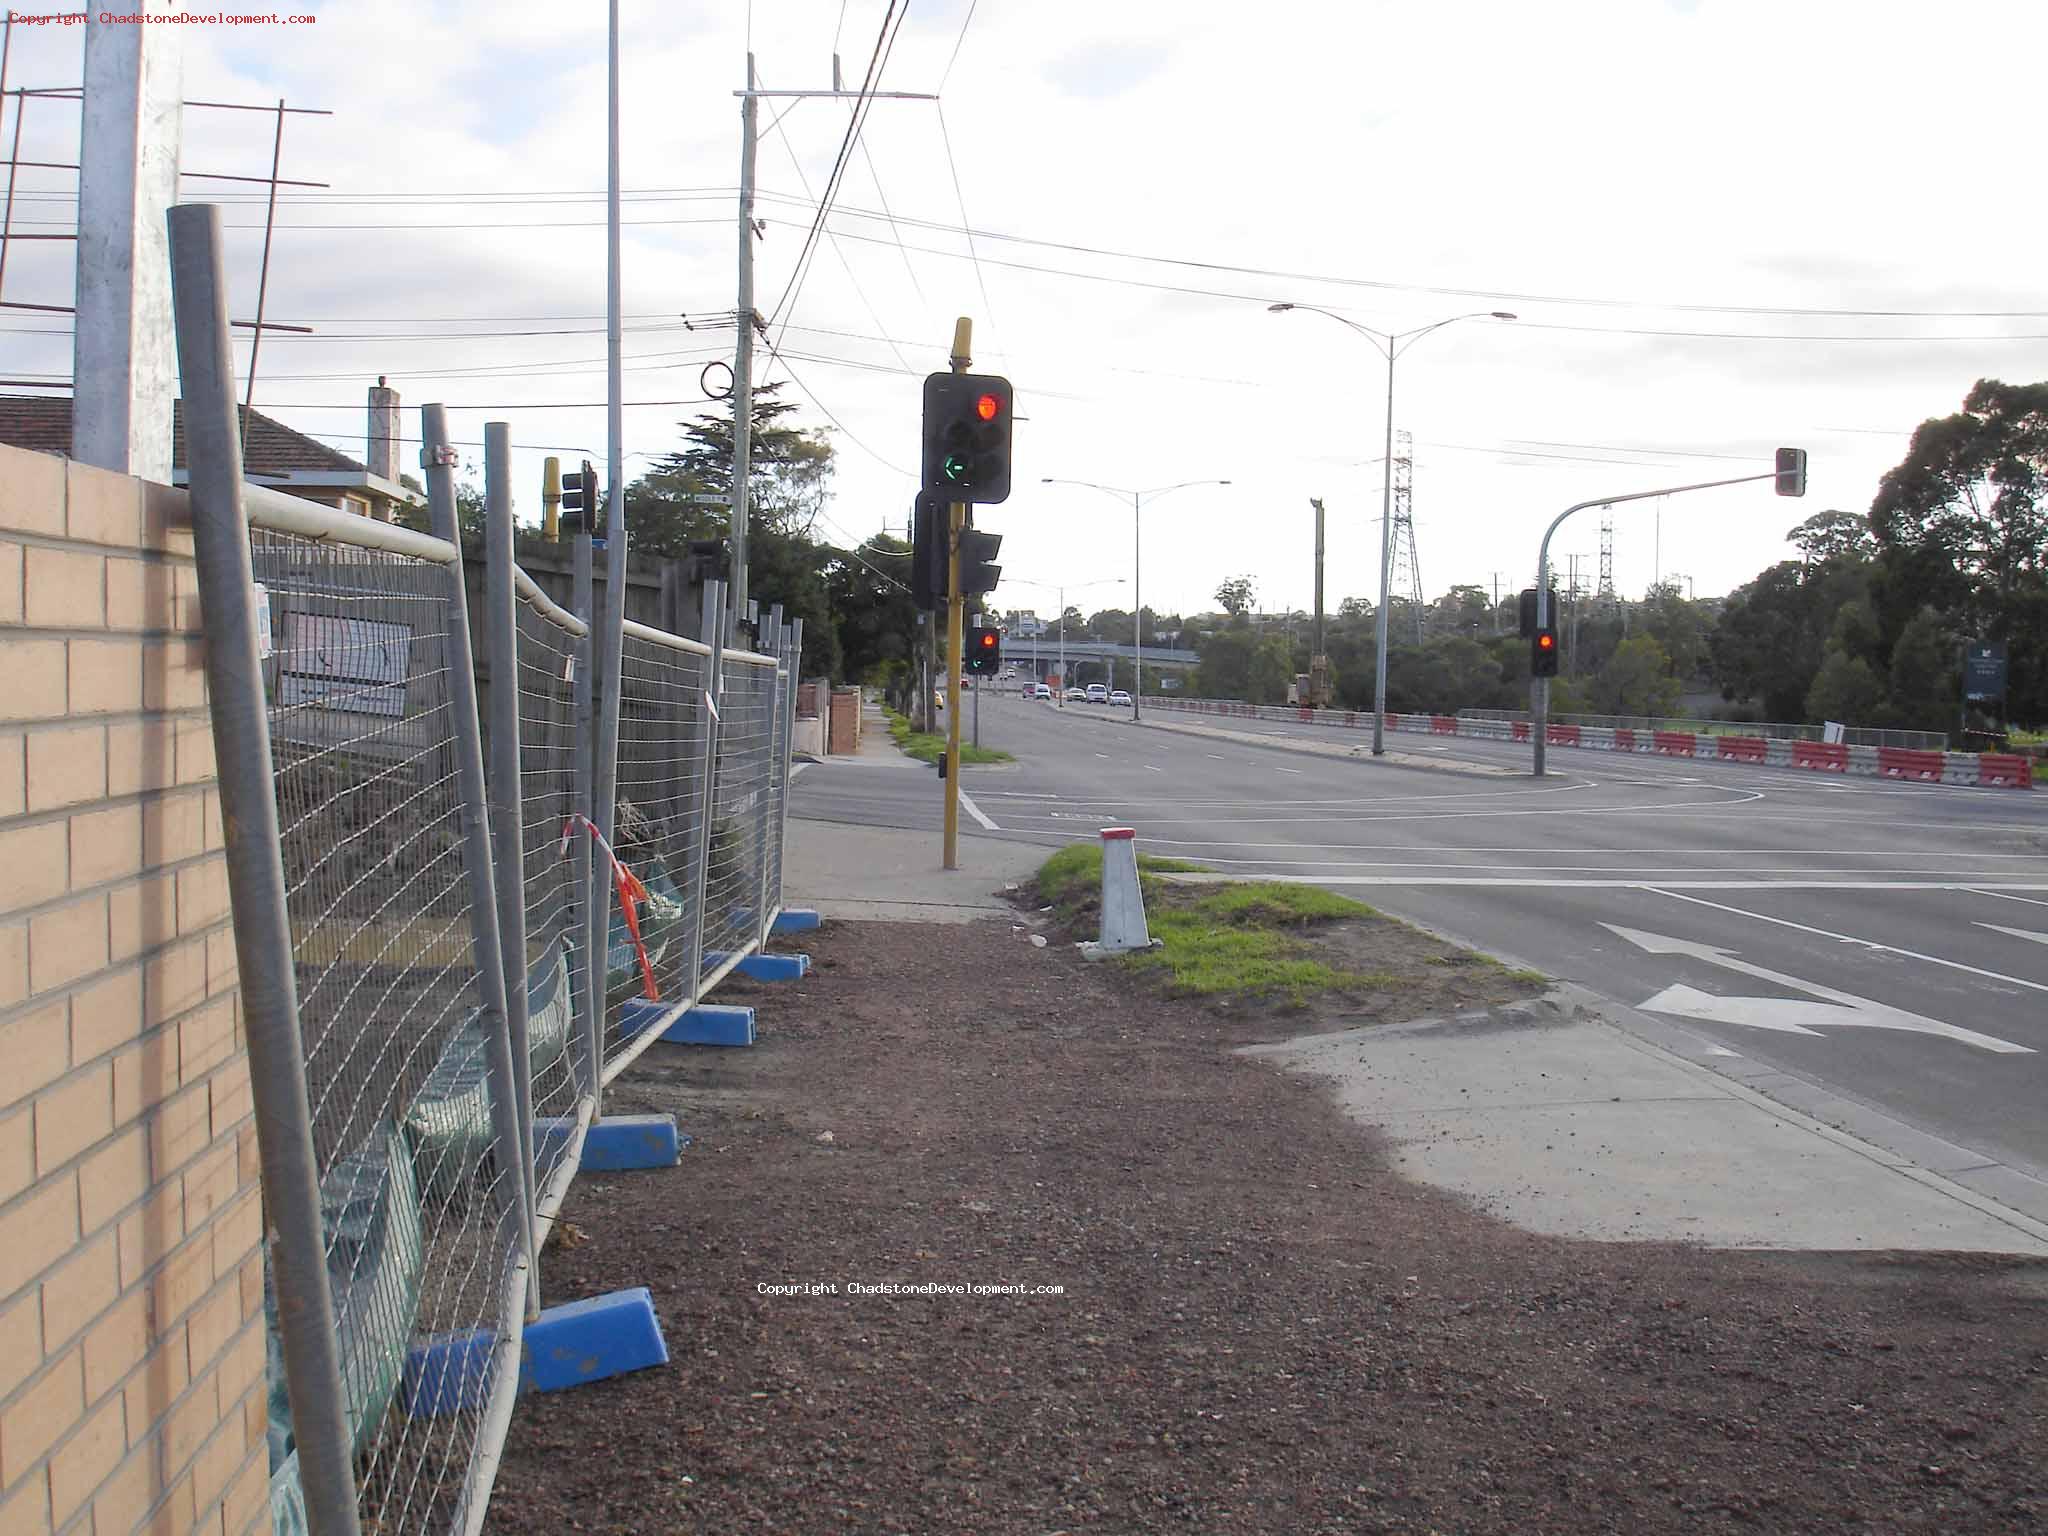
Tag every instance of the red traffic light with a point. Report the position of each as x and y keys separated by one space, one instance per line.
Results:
x=988 y=639
x=986 y=406
x=1545 y=640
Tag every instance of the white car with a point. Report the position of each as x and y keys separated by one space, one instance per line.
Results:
x=1119 y=696
x=1097 y=694
x=1040 y=691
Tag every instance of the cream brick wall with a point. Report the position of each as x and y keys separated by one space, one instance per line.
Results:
x=131 y=1271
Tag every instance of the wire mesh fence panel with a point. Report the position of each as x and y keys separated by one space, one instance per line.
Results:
x=741 y=799
x=419 y=1222
x=778 y=819
x=547 y=658
x=659 y=823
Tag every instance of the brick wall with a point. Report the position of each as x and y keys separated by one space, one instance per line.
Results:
x=131 y=1279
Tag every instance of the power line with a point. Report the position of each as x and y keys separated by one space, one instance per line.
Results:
x=973 y=255
x=954 y=56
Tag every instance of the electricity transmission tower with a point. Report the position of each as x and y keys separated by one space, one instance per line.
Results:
x=1606 y=557
x=1406 y=563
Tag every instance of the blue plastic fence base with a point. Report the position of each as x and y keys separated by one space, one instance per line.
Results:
x=775 y=967
x=565 y=1346
x=796 y=920
x=620 y=1142
x=448 y=1372
x=638 y=1015
x=590 y=1340
x=712 y=1024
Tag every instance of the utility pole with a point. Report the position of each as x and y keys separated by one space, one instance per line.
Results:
x=743 y=348
x=1319 y=659
x=956 y=605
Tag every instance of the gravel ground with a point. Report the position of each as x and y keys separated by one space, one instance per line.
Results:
x=1257 y=1327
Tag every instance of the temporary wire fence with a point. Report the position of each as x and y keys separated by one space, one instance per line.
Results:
x=415 y=934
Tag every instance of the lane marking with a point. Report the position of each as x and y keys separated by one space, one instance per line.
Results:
x=2002 y=896
x=967 y=804
x=1846 y=938
x=1278 y=769
x=1155 y=768
x=2017 y=933
x=1216 y=757
x=1789 y=1015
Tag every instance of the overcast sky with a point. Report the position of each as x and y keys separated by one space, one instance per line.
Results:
x=1724 y=226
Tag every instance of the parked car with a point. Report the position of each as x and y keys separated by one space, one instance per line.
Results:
x=1097 y=694
x=1119 y=696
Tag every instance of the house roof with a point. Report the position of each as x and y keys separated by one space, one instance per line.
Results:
x=269 y=448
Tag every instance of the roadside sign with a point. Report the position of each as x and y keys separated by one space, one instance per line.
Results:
x=1984 y=670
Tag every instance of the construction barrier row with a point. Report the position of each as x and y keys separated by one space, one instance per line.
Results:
x=1987 y=770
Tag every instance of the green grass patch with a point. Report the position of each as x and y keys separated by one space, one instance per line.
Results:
x=1275 y=904
x=1072 y=878
x=1205 y=958
x=926 y=746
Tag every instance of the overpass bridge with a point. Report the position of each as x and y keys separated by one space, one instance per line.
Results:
x=1089 y=661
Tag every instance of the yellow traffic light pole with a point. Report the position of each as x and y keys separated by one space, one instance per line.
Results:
x=956 y=607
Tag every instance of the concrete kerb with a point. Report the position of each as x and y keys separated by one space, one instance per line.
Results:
x=1574 y=1116
x=1356 y=753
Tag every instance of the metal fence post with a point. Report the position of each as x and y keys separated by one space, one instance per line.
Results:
x=507 y=807
x=796 y=658
x=486 y=947
x=256 y=883
x=595 y=904
x=713 y=616
x=764 y=809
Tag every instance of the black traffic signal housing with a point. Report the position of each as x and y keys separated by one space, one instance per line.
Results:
x=984 y=648
x=1543 y=652
x=967 y=436
x=1791 y=467
x=928 y=553
x=707 y=560
x=1528 y=611
x=978 y=572
x=580 y=501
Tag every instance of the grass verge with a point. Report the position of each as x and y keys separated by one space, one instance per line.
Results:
x=1267 y=945
x=926 y=746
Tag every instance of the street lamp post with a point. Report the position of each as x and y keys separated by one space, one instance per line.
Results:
x=1137 y=567
x=1392 y=345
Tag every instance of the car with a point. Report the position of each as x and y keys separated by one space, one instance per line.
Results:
x=1097 y=694
x=1119 y=696
x=1040 y=691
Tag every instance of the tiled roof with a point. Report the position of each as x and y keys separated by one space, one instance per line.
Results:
x=43 y=423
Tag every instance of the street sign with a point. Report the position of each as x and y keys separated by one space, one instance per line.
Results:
x=1984 y=670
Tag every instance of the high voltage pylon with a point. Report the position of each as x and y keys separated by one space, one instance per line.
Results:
x=1403 y=538
x=1606 y=555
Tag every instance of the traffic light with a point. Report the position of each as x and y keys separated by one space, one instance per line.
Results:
x=707 y=560
x=977 y=552
x=1543 y=653
x=1528 y=611
x=928 y=531
x=580 y=500
x=984 y=649
x=1791 y=472
x=967 y=436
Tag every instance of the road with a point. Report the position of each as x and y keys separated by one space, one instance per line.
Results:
x=1887 y=943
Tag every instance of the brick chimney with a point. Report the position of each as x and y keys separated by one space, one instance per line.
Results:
x=384 y=434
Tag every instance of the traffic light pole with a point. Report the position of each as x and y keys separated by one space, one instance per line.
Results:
x=1539 y=687
x=956 y=606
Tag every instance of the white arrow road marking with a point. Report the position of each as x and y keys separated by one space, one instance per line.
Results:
x=2018 y=933
x=1840 y=1010
x=968 y=805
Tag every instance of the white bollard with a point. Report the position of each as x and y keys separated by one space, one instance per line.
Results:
x=1123 y=903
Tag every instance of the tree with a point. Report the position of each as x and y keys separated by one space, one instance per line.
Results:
x=1972 y=485
x=1828 y=536
x=1355 y=608
x=1637 y=680
x=469 y=512
x=1236 y=596
x=1924 y=689
x=1847 y=688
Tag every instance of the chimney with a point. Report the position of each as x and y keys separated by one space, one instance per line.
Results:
x=383 y=455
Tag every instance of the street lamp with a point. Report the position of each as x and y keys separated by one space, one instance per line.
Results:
x=1137 y=562
x=1060 y=588
x=1391 y=345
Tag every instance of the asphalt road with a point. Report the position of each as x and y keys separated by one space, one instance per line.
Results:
x=1887 y=942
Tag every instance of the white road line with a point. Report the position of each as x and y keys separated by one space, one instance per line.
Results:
x=1665 y=887
x=1102 y=754
x=2002 y=896
x=1278 y=769
x=1155 y=768
x=2017 y=933
x=968 y=805
x=1216 y=757
x=1846 y=938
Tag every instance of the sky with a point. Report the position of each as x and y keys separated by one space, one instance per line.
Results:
x=1723 y=227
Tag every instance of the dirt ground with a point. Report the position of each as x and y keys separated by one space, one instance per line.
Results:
x=1256 y=1327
